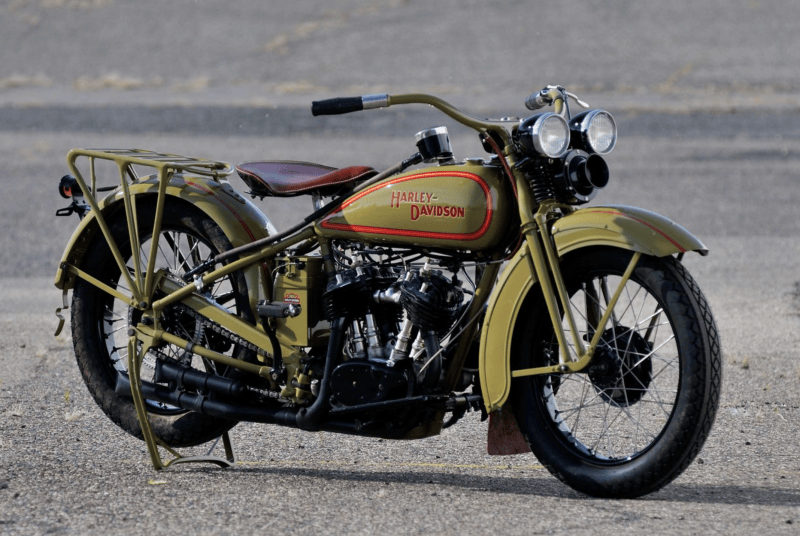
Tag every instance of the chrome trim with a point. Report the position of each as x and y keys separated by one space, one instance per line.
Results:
x=375 y=101
x=584 y=122
x=536 y=131
x=428 y=132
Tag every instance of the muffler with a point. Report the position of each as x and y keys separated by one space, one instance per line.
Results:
x=186 y=377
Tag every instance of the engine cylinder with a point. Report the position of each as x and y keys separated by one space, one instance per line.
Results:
x=435 y=308
x=351 y=293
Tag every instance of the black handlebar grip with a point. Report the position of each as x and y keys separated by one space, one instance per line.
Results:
x=340 y=105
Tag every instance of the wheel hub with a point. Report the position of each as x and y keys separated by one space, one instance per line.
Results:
x=621 y=369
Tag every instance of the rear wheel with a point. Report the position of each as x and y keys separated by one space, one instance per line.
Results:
x=100 y=322
x=637 y=416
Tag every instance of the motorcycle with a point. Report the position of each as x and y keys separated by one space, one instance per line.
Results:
x=407 y=298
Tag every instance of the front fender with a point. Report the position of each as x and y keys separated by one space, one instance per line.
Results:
x=239 y=219
x=624 y=227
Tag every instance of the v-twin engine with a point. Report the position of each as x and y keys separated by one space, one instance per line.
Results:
x=396 y=318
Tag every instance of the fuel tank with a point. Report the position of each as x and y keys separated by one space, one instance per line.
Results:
x=464 y=206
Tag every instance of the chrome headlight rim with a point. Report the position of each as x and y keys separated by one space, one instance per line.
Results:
x=581 y=125
x=533 y=128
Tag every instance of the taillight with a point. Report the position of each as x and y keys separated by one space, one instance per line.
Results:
x=66 y=186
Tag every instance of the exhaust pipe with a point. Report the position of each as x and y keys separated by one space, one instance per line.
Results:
x=213 y=408
x=309 y=418
x=288 y=417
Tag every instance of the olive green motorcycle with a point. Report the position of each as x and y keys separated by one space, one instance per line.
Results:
x=406 y=299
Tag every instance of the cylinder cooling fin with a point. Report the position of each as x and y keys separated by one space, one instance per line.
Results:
x=432 y=302
x=350 y=293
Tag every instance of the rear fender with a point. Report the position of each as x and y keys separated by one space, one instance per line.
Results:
x=624 y=227
x=240 y=220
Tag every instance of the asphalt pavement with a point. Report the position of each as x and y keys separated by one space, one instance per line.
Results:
x=707 y=99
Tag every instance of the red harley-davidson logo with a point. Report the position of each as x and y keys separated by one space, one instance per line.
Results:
x=420 y=204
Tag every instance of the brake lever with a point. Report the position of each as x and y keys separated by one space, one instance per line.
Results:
x=580 y=103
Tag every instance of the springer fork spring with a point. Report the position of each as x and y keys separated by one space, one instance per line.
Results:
x=539 y=175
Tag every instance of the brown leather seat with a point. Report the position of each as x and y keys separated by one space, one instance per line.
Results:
x=286 y=178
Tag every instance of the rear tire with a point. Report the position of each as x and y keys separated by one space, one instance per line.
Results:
x=637 y=416
x=100 y=322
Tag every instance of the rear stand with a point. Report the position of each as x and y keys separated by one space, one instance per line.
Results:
x=151 y=440
x=228 y=461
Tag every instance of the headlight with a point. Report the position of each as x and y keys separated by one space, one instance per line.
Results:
x=547 y=134
x=594 y=131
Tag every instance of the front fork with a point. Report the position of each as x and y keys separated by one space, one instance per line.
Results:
x=544 y=265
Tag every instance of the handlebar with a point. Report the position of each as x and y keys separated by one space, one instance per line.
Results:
x=555 y=95
x=343 y=105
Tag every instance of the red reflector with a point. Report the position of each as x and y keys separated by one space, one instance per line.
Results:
x=65 y=186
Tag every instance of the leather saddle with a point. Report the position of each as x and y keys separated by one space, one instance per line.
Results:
x=278 y=178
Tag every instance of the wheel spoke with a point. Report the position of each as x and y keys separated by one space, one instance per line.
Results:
x=178 y=252
x=604 y=418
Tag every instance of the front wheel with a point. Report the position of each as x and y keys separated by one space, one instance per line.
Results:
x=636 y=417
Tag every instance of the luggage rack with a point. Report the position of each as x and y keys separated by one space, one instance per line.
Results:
x=140 y=282
x=166 y=164
x=144 y=157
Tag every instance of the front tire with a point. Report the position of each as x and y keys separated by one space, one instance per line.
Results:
x=637 y=416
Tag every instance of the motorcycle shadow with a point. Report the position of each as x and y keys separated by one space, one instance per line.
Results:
x=522 y=482
x=529 y=482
